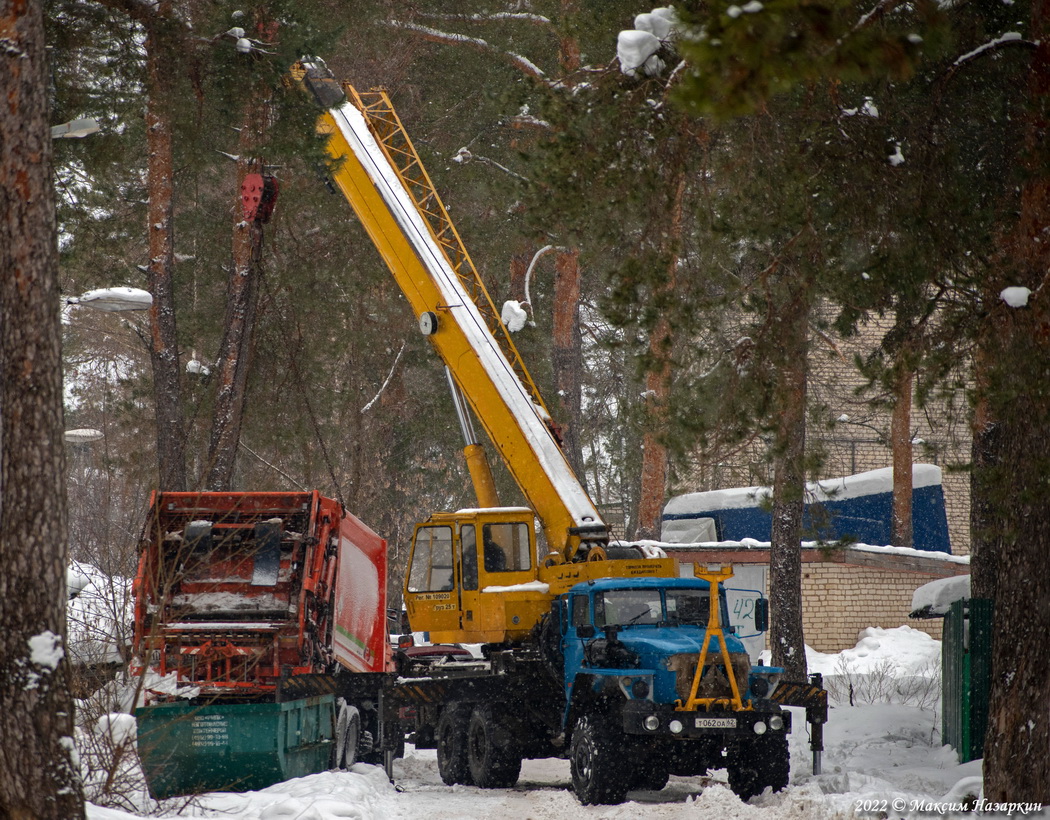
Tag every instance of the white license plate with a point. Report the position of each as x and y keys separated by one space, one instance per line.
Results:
x=715 y=723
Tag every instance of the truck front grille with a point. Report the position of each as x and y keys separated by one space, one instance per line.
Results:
x=714 y=683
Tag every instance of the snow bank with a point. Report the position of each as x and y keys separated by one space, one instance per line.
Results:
x=908 y=650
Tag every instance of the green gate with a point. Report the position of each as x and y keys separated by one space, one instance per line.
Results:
x=966 y=661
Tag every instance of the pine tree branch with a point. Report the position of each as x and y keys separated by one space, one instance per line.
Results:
x=516 y=17
x=523 y=64
x=1010 y=38
x=383 y=386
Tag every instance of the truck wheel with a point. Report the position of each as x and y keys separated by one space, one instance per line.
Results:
x=596 y=762
x=451 y=739
x=491 y=750
x=753 y=764
x=347 y=735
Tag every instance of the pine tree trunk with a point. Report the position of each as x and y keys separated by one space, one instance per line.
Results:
x=164 y=352
x=242 y=296
x=658 y=380
x=38 y=779
x=901 y=446
x=654 y=452
x=1016 y=759
x=786 y=637
x=1017 y=344
x=568 y=356
x=985 y=449
x=568 y=45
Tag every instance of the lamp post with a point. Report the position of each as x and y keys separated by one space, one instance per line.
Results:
x=83 y=435
x=114 y=300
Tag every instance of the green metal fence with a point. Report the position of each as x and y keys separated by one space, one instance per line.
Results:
x=966 y=660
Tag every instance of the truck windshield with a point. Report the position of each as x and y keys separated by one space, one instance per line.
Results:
x=431 y=568
x=628 y=606
x=687 y=606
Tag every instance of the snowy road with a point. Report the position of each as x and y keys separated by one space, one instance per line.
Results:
x=880 y=754
x=876 y=752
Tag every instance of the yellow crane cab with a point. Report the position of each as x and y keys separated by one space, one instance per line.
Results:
x=474 y=576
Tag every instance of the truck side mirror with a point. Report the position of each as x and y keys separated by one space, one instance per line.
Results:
x=761 y=614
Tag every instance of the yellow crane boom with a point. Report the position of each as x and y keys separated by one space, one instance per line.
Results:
x=380 y=174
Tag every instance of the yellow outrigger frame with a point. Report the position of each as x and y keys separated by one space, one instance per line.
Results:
x=714 y=630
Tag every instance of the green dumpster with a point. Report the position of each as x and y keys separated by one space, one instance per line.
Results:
x=966 y=660
x=190 y=747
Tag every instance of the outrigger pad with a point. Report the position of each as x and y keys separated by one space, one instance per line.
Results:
x=267 y=554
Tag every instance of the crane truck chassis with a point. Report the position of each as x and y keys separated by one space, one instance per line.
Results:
x=632 y=680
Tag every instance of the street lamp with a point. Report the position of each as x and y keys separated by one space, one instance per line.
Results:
x=83 y=435
x=77 y=129
x=114 y=300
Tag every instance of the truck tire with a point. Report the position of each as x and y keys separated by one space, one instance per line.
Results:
x=347 y=735
x=596 y=755
x=492 y=751
x=757 y=763
x=451 y=741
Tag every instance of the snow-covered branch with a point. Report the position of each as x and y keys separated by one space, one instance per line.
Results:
x=434 y=35
x=464 y=156
x=536 y=258
x=515 y=17
x=1010 y=38
x=880 y=10
x=386 y=381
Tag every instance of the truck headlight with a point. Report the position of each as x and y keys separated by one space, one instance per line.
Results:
x=776 y=723
x=676 y=727
x=760 y=728
x=652 y=723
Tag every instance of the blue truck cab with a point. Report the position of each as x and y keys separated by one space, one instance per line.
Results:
x=635 y=709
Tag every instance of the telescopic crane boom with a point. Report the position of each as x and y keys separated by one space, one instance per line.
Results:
x=382 y=178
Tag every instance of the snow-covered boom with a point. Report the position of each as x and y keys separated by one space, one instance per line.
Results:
x=456 y=556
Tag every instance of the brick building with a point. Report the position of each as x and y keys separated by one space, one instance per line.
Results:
x=843 y=590
x=847 y=590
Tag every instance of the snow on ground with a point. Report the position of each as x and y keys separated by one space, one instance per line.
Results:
x=884 y=749
x=98 y=609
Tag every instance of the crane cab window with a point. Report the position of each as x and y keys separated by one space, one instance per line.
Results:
x=506 y=547
x=431 y=569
